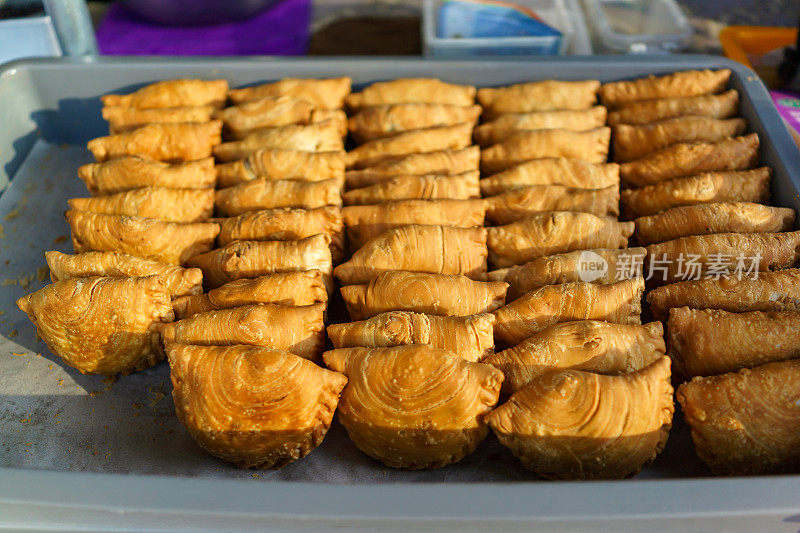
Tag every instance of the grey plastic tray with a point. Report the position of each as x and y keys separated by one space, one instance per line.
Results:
x=78 y=453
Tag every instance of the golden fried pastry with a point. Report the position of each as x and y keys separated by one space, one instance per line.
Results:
x=171 y=205
x=252 y=406
x=723 y=105
x=132 y=172
x=240 y=120
x=715 y=255
x=296 y=329
x=506 y=124
x=172 y=93
x=417 y=248
x=588 y=345
x=252 y=259
x=318 y=137
x=711 y=187
x=525 y=202
x=412 y=90
x=705 y=219
x=552 y=171
x=677 y=84
x=469 y=337
x=688 y=159
x=431 y=187
x=580 y=425
x=325 y=94
x=179 y=281
x=283 y=164
x=552 y=233
x=414 y=406
x=168 y=242
x=337 y=116
x=174 y=143
x=770 y=291
x=382 y=121
x=263 y=193
x=594 y=266
x=121 y=119
x=439 y=162
x=620 y=303
x=544 y=95
x=423 y=140
x=591 y=146
x=747 y=422
x=365 y=222
x=101 y=325
x=432 y=294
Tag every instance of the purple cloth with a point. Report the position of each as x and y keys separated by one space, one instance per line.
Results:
x=788 y=105
x=280 y=30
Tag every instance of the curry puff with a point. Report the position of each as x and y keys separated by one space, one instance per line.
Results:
x=591 y=146
x=239 y=120
x=285 y=288
x=252 y=259
x=723 y=105
x=432 y=294
x=252 y=406
x=132 y=172
x=415 y=407
x=538 y=96
x=296 y=329
x=382 y=121
x=711 y=187
x=581 y=425
x=551 y=233
x=439 y=162
x=418 y=248
x=172 y=93
x=324 y=94
x=167 y=242
x=552 y=171
x=121 y=119
x=178 y=281
x=431 y=187
x=469 y=337
x=173 y=143
x=563 y=119
x=620 y=303
x=677 y=84
x=318 y=137
x=263 y=193
x=524 y=202
x=705 y=219
x=101 y=325
x=412 y=90
x=588 y=345
x=283 y=164
x=170 y=205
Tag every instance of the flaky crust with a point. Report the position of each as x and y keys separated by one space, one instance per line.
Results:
x=170 y=205
x=242 y=119
x=262 y=193
x=503 y=126
x=412 y=90
x=677 y=84
x=431 y=187
x=538 y=96
x=552 y=171
x=317 y=137
x=723 y=105
x=175 y=143
x=132 y=172
x=172 y=93
x=378 y=122
x=523 y=202
x=324 y=93
x=438 y=162
x=283 y=164
x=121 y=118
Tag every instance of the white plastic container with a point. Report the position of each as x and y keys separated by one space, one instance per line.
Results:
x=638 y=26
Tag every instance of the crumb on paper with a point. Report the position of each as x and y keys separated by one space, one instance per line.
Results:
x=60 y=382
x=42 y=273
x=60 y=238
x=13 y=334
x=95 y=393
x=138 y=406
x=9 y=281
x=19 y=354
x=256 y=476
x=50 y=366
x=11 y=215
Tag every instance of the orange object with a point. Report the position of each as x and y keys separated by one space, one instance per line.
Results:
x=740 y=43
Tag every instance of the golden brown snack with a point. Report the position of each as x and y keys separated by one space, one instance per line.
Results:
x=552 y=171
x=677 y=84
x=734 y=186
x=296 y=329
x=567 y=424
x=325 y=93
x=172 y=93
x=705 y=219
x=593 y=266
x=252 y=259
x=365 y=222
x=417 y=248
x=174 y=143
x=178 y=281
x=101 y=325
x=688 y=159
x=284 y=288
x=723 y=105
x=381 y=121
x=262 y=193
x=121 y=119
x=469 y=337
x=132 y=172
x=538 y=96
x=252 y=406
x=168 y=242
x=506 y=124
x=318 y=137
x=747 y=422
x=426 y=418
x=524 y=202
x=771 y=291
x=423 y=140
x=620 y=303
x=552 y=233
x=412 y=90
x=522 y=146
x=432 y=187
x=588 y=345
x=689 y=258
x=171 y=205
x=439 y=162
x=337 y=116
x=432 y=294
x=283 y=164
x=242 y=119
